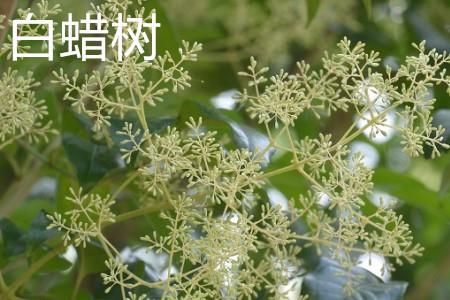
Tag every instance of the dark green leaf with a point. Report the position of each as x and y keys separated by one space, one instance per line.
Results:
x=16 y=241
x=63 y=289
x=91 y=161
x=38 y=232
x=13 y=242
x=93 y=259
x=76 y=124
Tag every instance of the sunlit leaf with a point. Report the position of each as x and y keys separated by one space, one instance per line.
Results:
x=328 y=280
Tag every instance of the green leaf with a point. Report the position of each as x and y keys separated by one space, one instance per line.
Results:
x=92 y=259
x=445 y=181
x=38 y=232
x=312 y=8
x=91 y=161
x=327 y=282
x=250 y=138
x=289 y=183
x=368 y=7
x=76 y=124
x=168 y=39
x=411 y=191
x=63 y=289
x=64 y=185
x=24 y=216
x=56 y=264
x=243 y=135
x=212 y=118
x=154 y=126
x=16 y=241
x=13 y=242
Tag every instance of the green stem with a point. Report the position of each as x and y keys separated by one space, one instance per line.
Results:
x=80 y=276
x=4 y=289
x=286 y=169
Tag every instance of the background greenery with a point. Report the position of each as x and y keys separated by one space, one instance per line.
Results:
x=34 y=178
